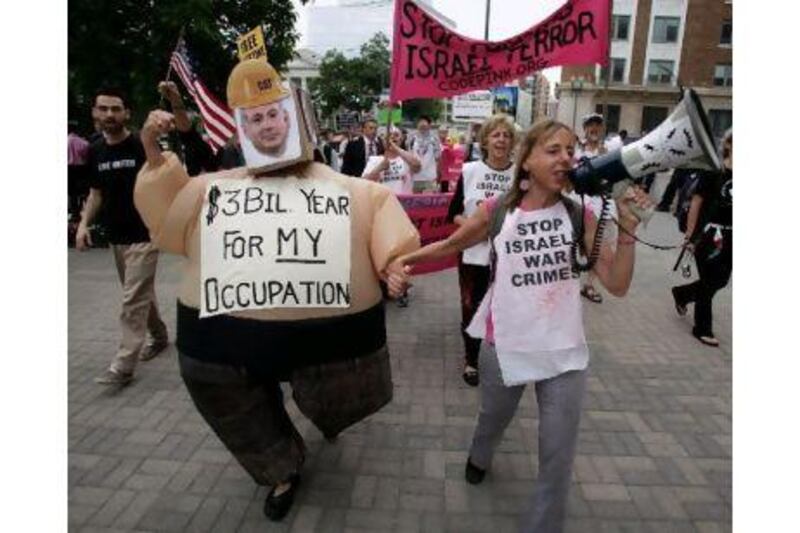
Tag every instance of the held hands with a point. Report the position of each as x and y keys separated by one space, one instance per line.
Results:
x=633 y=200
x=397 y=277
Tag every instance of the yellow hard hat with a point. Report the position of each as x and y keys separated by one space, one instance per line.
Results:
x=254 y=82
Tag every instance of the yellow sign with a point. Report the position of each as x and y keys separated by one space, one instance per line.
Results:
x=251 y=45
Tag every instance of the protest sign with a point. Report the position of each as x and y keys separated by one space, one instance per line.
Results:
x=505 y=101
x=475 y=106
x=274 y=242
x=251 y=45
x=524 y=109
x=383 y=116
x=430 y=60
x=428 y=212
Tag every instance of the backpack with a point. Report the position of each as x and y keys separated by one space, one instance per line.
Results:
x=685 y=194
x=499 y=216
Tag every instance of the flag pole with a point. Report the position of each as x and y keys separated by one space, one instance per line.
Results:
x=169 y=63
x=486 y=27
x=173 y=137
x=608 y=64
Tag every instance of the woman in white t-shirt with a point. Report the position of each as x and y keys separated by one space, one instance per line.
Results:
x=531 y=319
x=395 y=167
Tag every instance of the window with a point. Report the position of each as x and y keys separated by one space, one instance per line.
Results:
x=620 y=25
x=665 y=29
x=612 y=116
x=617 y=70
x=726 y=37
x=721 y=120
x=652 y=117
x=660 y=71
x=723 y=75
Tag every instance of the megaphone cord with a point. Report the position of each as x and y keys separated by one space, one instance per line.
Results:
x=579 y=245
x=591 y=259
x=650 y=244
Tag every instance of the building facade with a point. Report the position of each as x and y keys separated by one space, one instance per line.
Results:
x=541 y=96
x=303 y=67
x=657 y=46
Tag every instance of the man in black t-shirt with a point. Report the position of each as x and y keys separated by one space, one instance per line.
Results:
x=113 y=163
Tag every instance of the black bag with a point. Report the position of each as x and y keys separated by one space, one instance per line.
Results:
x=685 y=194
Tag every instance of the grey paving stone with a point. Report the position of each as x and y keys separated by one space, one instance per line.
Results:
x=231 y=515
x=141 y=503
x=113 y=507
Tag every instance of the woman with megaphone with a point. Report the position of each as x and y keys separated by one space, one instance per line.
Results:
x=531 y=318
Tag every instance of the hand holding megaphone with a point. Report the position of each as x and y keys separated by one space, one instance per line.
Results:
x=633 y=205
x=642 y=210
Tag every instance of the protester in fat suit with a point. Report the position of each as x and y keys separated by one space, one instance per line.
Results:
x=336 y=359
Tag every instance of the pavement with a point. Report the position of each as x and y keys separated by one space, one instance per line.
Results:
x=654 y=451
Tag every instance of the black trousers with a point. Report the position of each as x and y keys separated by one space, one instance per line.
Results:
x=473 y=280
x=246 y=409
x=715 y=271
x=676 y=181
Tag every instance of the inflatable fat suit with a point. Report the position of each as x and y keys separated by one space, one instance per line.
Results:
x=281 y=280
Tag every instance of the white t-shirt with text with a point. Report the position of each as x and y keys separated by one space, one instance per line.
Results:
x=397 y=177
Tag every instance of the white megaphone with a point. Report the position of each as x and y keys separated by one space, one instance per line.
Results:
x=683 y=140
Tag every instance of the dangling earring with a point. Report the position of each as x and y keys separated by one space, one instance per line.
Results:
x=524 y=181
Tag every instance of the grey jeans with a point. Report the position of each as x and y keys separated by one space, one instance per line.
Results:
x=559 y=400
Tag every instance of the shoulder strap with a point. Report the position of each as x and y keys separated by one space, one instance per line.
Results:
x=495 y=225
x=575 y=216
x=498 y=216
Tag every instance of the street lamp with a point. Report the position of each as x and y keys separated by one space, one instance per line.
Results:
x=576 y=85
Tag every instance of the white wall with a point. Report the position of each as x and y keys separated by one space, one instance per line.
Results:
x=568 y=109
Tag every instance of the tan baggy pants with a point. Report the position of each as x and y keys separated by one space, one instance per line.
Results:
x=136 y=266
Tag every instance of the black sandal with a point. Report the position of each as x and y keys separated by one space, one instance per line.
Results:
x=473 y=474
x=708 y=340
x=471 y=376
x=277 y=507
x=679 y=307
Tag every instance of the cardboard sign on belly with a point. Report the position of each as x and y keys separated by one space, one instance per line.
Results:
x=274 y=242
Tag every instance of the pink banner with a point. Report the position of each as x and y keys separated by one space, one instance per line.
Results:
x=430 y=60
x=428 y=212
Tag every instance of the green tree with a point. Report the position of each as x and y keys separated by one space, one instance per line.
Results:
x=128 y=43
x=413 y=109
x=354 y=83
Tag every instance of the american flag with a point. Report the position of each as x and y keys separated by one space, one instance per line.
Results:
x=217 y=118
